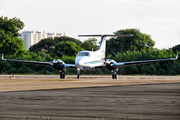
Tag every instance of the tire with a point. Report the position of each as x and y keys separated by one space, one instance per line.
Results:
x=61 y=75
x=78 y=76
x=112 y=76
x=115 y=76
x=64 y=77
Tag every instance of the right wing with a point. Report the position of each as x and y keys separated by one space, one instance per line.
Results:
x=122 y=64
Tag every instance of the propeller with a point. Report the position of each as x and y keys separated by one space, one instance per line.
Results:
x=49 y=72
x=113 y=54
x=57 y=63
x=111 y=57
x=44 y=57
x=60 y=54
x=100 y=71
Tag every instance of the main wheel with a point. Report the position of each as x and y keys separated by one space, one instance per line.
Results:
x=78 y=75
x=113 y=76
x=62 y=75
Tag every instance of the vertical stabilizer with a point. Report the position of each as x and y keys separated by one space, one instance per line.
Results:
x=102 y=47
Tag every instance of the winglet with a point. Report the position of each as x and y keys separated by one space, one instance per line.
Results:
x=177 y=56
x=3 y=56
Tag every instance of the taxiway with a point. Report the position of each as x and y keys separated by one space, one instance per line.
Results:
x=90 y=98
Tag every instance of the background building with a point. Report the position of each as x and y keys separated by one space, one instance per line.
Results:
x=33 y=37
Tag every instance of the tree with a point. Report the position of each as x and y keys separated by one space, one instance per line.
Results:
x=68 y=48
x=176 y=48
x=90 y=44
x=9 y=33
x=139 y=41
x=48 y=45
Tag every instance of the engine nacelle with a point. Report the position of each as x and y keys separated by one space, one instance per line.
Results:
x=110 y=61
x=58 y=64
x=108 y=64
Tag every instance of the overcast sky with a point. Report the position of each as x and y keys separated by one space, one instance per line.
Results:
x=158 y=18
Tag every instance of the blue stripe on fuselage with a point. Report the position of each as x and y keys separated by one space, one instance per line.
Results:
x=95 y=62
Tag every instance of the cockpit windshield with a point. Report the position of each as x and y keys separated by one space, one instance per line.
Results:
x=83 y=54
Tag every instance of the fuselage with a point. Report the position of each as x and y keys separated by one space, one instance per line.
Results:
x=88 y=59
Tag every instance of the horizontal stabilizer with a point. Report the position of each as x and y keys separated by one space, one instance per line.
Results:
x=107 y=35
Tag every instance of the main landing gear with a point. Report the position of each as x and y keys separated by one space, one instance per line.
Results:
x=62 y=74
x=78 y=73
x=115 y=75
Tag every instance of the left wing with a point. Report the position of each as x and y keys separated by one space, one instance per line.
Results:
x=24 y=61
x=122 y=64
x=41 y=63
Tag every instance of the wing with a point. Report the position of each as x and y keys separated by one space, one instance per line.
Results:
x=39 y=62
x=24 y=61
x=69 y=66
x=122 y=64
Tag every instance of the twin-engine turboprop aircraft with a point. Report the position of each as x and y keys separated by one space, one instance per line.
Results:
x=90 y=60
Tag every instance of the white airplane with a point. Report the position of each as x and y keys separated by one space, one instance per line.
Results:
x=90 y=60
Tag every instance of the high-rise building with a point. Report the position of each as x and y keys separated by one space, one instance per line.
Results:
x=32 y=37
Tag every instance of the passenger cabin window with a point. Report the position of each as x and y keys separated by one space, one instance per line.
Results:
x=83 y=54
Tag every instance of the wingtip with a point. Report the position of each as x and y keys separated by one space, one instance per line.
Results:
x=177 y=56
x=3 y=56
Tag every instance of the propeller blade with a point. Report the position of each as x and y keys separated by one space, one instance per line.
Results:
x=100 y=71
x=114 y=54
x=44 y=57
x=60 y=54
x=49 y=72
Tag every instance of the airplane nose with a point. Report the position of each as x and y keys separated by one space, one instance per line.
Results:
x=79 y=62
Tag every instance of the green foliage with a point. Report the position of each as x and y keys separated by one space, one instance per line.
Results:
x=68 y=59
x=12 y=26
x=68 y=48
x=90 y=44
x=176 y=48
x=48 y=45
x=138 y=42
x=9 y=33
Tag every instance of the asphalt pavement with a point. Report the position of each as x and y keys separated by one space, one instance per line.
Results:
x=148 y=101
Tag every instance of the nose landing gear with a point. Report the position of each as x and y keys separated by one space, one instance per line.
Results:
x=78 y=73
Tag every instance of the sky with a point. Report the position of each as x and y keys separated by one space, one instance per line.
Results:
x=158 y=18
